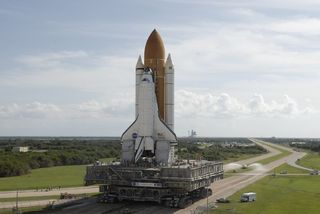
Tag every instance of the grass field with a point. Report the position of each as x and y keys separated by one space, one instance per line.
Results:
x=106 y=160
x=278 y=195
x=289 y=169
x=276 y=157
x=23 y=210
x=64 y=176
x=311 y=160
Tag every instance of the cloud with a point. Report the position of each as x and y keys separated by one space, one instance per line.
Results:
x=34 y=110
x=190 y=104
x=51 y=60
x=253 y=49
x=271 y=4
x=304 y=26
x=77 y=70
x=206 y=105
x=119 y=108
x=287 y=107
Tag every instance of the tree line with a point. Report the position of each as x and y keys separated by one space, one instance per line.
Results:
x=48 y=152
x=53 y=153
x=216 y=151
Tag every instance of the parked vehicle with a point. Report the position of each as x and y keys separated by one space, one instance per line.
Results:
x=315 y=172
x=223 y=200
x=248 y=196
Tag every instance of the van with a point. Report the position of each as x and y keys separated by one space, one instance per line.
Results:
x=248 y=196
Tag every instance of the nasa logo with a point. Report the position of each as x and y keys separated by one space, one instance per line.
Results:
x=134 y=135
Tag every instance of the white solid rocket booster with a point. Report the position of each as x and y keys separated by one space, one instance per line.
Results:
x=169 y=93
x=139 y=72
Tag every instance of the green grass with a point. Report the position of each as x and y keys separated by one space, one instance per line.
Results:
x=23 y=210
x=64 y=176
x=289 y=169
x=106 y=160
x=311 y=160
x=278 y=195
x=39 y=198
x=283 y=153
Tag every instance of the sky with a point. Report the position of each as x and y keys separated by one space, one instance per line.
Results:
x=243 y=68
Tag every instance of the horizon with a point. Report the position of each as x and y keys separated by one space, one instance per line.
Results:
x=197 y=137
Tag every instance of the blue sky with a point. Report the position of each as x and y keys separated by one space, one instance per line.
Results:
x=243 y=68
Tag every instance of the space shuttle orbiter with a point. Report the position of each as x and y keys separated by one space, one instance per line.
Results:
x=151 y=135
x=148 y=132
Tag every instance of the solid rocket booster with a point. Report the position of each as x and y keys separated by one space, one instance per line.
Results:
x=139 y=72
x=169 y=93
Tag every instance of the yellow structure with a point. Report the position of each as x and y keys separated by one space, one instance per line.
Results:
x=154 y=58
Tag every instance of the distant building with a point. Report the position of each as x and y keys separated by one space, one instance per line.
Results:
x=192 y=134
x=298 y=143
x=20 y=149
x=236 y=144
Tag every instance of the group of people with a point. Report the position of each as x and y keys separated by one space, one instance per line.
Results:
x=50 y=188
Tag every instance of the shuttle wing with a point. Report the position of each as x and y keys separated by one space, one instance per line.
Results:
x=163 y=131
x=131 y=131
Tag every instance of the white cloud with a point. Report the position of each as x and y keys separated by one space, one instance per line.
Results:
x=304 y=26
x=32 y=110
x=77 y=70
x=206 y=105
x=120 y=108
x=244 y=48
x=190 y=104
x=271 y=4
x=51 y=60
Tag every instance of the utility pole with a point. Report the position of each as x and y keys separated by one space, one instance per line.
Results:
x=207 y=202
x=17 y=211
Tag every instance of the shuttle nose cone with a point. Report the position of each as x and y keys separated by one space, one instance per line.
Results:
x=154 y=48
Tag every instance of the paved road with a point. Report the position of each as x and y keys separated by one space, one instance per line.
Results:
x=34 y=193
x=292 y=159
x=271 y=152
x=8 y=205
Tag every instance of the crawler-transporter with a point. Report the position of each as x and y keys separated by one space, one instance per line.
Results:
x=176 y=186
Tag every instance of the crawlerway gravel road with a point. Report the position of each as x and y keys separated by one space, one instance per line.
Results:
x=222 y=188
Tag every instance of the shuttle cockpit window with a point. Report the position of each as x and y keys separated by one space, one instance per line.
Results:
x=145 y=80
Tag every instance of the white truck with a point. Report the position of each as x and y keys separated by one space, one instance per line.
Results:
x=248 y=196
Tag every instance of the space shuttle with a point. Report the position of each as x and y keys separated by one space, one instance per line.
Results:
x=151 y=137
